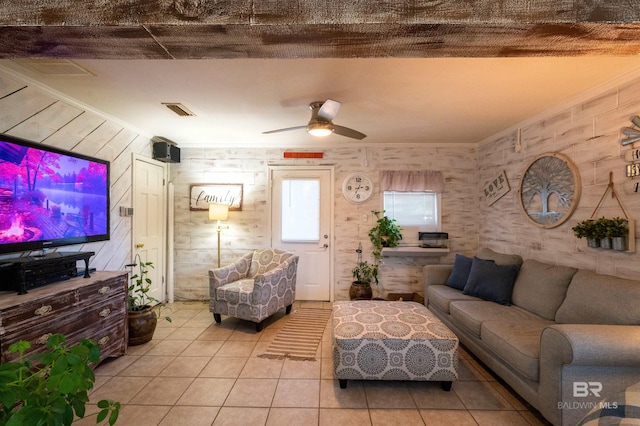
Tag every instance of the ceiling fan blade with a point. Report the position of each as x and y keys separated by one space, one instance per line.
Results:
x=329 y=109
x=629 y=140
x=635 y=120
x=631 y=132
x=284 y=130
x=350 y=133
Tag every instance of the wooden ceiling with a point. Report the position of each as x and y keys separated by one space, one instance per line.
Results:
x=198 y=29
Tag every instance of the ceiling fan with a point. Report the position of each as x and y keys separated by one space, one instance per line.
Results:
x=321 y=124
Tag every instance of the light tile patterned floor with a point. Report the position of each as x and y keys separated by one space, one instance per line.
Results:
x=196 y=372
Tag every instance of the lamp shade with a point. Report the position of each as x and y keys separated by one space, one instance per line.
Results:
x=218 y=211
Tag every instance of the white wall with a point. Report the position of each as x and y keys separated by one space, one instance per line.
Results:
x=196 y=238
x=588 y=132
x=38 y=115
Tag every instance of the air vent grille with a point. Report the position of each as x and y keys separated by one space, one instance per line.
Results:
x=179 y=109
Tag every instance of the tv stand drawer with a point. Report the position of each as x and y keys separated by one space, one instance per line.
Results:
x=78 y=308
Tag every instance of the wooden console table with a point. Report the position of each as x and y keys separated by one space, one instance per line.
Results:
x=80 y=308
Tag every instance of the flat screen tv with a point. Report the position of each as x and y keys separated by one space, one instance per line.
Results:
x=50 y=197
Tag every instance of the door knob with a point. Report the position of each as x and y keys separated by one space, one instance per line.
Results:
x=326 y=246
x=139 y=245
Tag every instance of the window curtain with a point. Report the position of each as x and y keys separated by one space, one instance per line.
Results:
x=411 y=181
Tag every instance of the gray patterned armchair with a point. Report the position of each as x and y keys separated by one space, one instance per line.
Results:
x=254 y=287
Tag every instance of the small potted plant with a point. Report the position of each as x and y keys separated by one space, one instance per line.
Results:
x=386 y=233
x=616 y=229
x=143 y=310
x=590 y=230
x=364 y=274
x=51 y=387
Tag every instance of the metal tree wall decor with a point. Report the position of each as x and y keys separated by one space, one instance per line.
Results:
x=550 y=190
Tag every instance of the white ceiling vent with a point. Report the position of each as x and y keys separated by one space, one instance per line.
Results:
x=179 y=109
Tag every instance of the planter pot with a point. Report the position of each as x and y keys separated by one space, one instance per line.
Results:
x=605 y=243
x=618 y=243
x=142 y=325
x=360 y=291
x=593 y=242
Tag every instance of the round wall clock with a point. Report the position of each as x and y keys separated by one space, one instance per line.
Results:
x=550 y=190
x=357 y=188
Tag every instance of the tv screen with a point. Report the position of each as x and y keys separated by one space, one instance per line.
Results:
x=50 y=197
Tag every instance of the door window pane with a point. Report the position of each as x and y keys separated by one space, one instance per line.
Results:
x=300 y=210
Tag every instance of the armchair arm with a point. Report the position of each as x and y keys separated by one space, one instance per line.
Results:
x=593 y=346
x=233 y=272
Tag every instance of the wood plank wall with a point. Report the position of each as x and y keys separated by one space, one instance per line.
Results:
x=196 y=238
x=589 y=133
x=34 y=114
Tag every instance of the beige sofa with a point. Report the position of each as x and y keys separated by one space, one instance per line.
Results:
x=568 y=340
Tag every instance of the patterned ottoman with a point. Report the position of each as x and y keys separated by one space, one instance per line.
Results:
x=381 y=340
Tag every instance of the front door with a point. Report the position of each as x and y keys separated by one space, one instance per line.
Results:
x=149 y=220
x=301 y=213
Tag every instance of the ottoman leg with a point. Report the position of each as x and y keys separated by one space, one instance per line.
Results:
x=343 y=383
x=446 y=386
x=217 y=318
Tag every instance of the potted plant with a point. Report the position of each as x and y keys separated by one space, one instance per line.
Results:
x=143 y=310
x=386 y=233
x=590 y=230
x=50 y=387
x=363 y=275
x=616 y=229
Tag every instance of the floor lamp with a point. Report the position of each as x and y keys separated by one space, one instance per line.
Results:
x=218 y=212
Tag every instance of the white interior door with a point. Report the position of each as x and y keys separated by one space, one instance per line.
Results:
x=301 y=222
x=149 y=212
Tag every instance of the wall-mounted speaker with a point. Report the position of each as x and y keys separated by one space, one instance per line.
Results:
x=163 y=151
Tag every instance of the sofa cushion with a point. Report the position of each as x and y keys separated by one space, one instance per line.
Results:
x=441 y=295
x=600 y=299
x=460 y=272
x=517 y=343
x=472 y=313
x=499 y=258
x=491 y=281
x=540 y=288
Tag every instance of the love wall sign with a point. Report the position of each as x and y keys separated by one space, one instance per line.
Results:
x=203 y=195
x=496 y=189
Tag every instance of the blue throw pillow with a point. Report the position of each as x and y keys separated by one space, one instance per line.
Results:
x=490 y=281
x=460 y=272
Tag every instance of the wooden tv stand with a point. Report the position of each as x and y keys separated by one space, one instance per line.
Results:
x=80 y=308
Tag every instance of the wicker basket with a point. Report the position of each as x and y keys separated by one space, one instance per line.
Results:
x=406 y=297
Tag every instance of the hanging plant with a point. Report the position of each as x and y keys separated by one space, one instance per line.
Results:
x=386 y=233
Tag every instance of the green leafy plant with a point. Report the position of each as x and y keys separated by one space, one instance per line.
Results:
x=139 y=297
x=587 y=229
x=616 y=227
x=50 y=388
x=386 y=233
x=364 y=273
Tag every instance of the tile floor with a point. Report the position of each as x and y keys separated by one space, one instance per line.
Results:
x=195 y=372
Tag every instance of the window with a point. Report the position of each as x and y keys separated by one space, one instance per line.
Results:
x=413 y=199
x=300 y=206
x=414 y=211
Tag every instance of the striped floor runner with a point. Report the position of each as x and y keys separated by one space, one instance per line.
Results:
x=300 y=336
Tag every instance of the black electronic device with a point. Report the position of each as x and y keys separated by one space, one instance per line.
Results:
x=50 y=197
x=166 y=152
x=24 y=273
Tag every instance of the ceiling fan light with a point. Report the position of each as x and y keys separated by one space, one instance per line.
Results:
x=320 y=130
